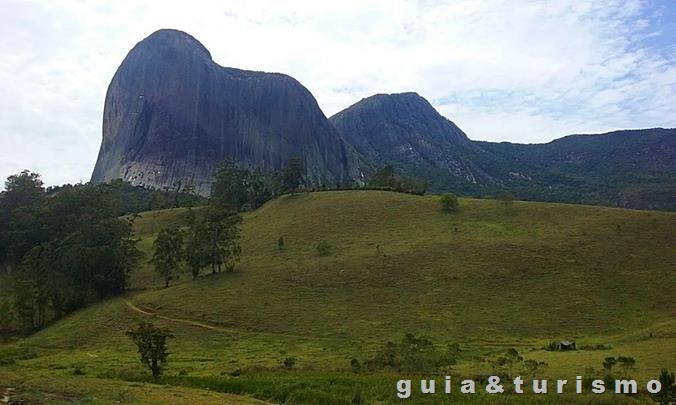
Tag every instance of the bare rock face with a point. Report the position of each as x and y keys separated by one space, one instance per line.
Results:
x=404 y=130
x=172 y=116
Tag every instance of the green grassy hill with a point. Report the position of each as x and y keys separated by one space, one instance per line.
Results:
x=486 y=277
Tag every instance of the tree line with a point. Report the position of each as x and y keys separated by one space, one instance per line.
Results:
x=62 y=249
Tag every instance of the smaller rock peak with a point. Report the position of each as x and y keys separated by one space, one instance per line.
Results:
x=409 y=95
x=172 y=38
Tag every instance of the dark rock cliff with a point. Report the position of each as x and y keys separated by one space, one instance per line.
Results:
x=172 y=116
x=405 y=131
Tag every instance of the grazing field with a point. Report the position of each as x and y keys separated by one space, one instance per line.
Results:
x=487 y=278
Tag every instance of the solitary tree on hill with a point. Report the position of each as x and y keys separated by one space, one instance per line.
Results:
x=449 y=202
x=507 y=199
x=151 y=343
x=168 y=253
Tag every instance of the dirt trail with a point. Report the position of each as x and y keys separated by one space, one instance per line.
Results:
x=218 y=328
x=7 y=395
x=186 y=321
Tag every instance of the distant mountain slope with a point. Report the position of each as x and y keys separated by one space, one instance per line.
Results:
x=173 y=115
x=634 y=168
x=406 y=131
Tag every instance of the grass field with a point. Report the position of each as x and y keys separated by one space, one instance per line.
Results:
x=486 y=277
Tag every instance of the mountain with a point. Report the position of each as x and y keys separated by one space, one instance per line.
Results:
x=405 y=131
x=172 y=115
x=632 y=168
x=635 y=169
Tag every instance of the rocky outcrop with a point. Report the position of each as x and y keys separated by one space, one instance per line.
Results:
x=172 y=115
x=405 y=131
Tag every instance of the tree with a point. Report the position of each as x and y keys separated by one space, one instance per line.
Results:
x=668 y=392
x=280 y=243
x=323 y=248
x=510 y=358
x=221 y=229
x=507 y=199
x=386 y=179
x=608 y=364
x=626 y=364
x=229 y=189
x=383 y=177
x=6 y=318
x=197 y=247
x=168 y=253
x=23 y=189
x=449 y=202
x=151 y=343
x=293 y=175
x=20 y=229
x=235 y=187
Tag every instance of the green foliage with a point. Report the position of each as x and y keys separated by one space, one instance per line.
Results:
x=362 y=298
x=385 y=179
x=69 y=246
x=668 y=392
x=608 y=364
x=238 y=189
x=151 y=343
x=293 y=175
x=449 y=202
x=626 y=364
x=213 y=240
x=506 y=199
x=289 y=362
x=509 y=360
x=280 y=243
x=6 y=318
x=168 y=252
x=323 y=248
x=411 y=355
x=355 y=365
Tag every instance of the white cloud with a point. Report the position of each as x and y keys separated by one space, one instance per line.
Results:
x=527 y=71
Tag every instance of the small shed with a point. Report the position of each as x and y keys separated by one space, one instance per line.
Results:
x=562 y=345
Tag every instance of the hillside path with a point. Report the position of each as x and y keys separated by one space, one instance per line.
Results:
x=185 y=321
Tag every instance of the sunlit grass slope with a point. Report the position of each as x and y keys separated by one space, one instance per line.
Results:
x=399 y=264
x=487 y=277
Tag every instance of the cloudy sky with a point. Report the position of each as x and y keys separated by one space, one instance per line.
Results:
x=520 y=71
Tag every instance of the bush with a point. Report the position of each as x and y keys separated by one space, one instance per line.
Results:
x=289 y=362
x=412 y=354
x=449 y=202
x=506 y=199
x=323 y=248
x=355 y=365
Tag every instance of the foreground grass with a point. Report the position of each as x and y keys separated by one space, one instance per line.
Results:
x=486 y=277
x=44 y=388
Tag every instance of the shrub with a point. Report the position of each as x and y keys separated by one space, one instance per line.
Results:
x=668 y=392
x=506 y=199
x=289 y=362
x=323 y=248
x=355 y=365
x=412 y=354
x=449 y=202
